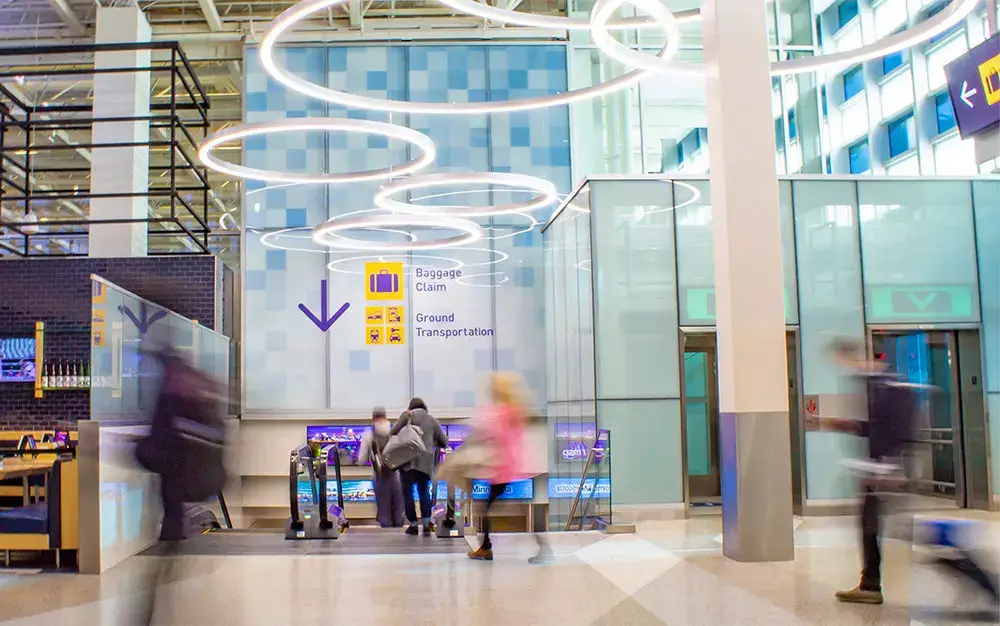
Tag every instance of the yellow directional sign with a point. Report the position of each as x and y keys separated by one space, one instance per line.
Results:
x=395 y=335
x=394 y=315
x=374 y=315
x=374 y=335
x=383 y=281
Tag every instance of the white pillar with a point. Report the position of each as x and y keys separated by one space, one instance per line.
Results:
x=124 y=169
x=753 y=382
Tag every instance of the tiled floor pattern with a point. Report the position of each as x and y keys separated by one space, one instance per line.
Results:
x=667 y=573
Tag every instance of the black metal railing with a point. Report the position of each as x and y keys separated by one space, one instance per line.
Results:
x=33 y=167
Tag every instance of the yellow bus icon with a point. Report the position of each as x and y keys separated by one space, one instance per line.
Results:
x=990 y=73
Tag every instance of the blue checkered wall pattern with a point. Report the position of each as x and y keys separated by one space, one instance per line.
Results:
x=289 y=367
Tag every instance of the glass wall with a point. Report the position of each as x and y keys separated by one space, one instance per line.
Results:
x=858 y=253
x=126 y=331
x=889 y=115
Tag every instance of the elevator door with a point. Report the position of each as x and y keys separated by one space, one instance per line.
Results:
x=701 y=417
x=951 y=454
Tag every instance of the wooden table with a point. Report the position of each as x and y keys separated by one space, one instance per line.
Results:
x=24 y=469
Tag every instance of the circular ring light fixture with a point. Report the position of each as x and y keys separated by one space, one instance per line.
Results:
x=954 y=13
x=663 y=18
x=383 y=129
x=554 y=22
x=495 y=283
x=328 y=233
x=333 y=265
x=290 y=17
x=547 y=193
x=265 y=238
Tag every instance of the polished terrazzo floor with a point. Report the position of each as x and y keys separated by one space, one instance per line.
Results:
x=667 y=573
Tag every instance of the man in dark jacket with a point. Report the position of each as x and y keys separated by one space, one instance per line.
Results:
x=890 y=413
x=892 y=406
x=417 y=473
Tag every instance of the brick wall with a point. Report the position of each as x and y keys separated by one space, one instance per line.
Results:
x=57 y=291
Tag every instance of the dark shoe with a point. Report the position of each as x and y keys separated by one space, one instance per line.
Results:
x=430 y=529
x=860 y=596
x=481 y=554
x=412 y=530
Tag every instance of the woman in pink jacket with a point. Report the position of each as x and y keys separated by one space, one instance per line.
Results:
x=502 y=431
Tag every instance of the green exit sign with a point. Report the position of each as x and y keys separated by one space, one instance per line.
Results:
x=699 y=304
x=921 y=303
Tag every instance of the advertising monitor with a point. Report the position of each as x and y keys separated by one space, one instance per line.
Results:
x=17 y=359
x=348 y=439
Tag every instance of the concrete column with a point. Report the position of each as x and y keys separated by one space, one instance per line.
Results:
x=753 y=422
x=123 y=169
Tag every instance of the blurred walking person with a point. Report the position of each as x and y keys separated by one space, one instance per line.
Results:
x=185 y=447
x=502 y=432
x=388 y=491
x=417 y=472
x=891 y=413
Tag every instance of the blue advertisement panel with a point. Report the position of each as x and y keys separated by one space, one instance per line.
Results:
x=565 y=488
x=974 y=87
x=364 y=491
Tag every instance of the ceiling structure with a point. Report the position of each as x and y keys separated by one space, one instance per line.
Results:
x=213 y=34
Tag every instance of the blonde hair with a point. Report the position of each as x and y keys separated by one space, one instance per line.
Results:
x=507 y=388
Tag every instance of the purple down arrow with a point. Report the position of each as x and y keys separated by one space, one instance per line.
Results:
x=324 y=321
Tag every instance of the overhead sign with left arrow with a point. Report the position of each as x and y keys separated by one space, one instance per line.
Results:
x=974 y=87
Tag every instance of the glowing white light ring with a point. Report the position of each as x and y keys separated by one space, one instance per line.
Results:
x=326 y=233
x=381 y=258
x=664 y=17
x=494 y=284
x=954 y=13
x=547 y=193
x=498 y=257
x=528 y=216
x=290 y=17
x=264 y=238
x=580 y=266
x=392 y=131
x=695 y=197
x=554 y=22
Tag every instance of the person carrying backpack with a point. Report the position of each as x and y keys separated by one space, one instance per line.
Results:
x=185 y=446
x=388 y=492
x=417 y=471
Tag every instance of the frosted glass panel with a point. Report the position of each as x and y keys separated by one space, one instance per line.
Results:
x=695 y=262
x=889 y=15
x=646 y=450
x=954 y=156
x=934 y=280
x=830 y=305
x=942 y=56
x=910 y=166
x=897 y=94
x=986 y=200
x=854 y=119
x=636 y=307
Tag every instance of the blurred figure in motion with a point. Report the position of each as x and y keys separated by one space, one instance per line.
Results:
x=185 y=447
x=891 y=407
x=417 y=473
x=388 y=492
x=502 y=433
x=890 y=429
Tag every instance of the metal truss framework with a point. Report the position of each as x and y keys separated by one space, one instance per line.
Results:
x=32 y=162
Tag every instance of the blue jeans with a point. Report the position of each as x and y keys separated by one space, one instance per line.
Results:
x=423 y=483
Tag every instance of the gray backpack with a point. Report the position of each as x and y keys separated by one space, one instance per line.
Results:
x=404 y=446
